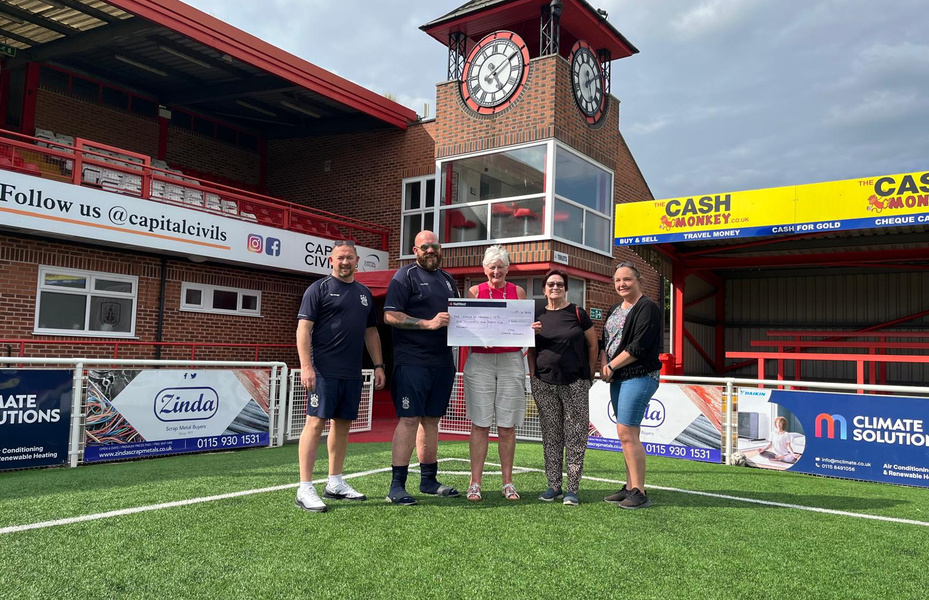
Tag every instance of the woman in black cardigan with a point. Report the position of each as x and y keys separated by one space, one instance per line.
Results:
x=631 y=342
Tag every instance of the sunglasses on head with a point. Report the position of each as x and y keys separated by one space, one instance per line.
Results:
x=425 y=247
x=348 y=243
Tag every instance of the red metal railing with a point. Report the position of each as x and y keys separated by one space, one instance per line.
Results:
x=116 y=345
x=93 y=164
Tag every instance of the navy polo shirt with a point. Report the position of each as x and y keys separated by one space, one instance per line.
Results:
x=421 y=294
x=341 y=312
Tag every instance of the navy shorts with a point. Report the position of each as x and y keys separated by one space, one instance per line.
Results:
x=334 y=398
x=422 y=391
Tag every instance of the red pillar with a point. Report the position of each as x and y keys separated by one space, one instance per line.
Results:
x=720 y=330
x=30 y=96
x=678 y=276
x=163 y=137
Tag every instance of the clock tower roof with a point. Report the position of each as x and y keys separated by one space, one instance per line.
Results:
x=579 y=21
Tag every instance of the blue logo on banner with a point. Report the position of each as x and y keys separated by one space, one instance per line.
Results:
x=35 y=416
x=186 y=404
x=858 y=436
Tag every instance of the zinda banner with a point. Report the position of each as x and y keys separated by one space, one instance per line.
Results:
x=858 y=436
x=35 y=415
x=137 y=413
x=681 y=421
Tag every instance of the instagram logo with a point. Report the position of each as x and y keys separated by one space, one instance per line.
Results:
x=255 y=243
x=273 y=246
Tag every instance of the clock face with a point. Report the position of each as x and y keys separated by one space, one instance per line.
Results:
x=587 y=82
x=495 y=71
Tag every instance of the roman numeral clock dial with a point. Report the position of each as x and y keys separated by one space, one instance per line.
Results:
x=587 y=82
x=494 y=73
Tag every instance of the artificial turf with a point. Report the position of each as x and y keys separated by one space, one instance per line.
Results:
x=262 y=546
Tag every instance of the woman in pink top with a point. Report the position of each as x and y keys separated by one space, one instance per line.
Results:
x=495 y=384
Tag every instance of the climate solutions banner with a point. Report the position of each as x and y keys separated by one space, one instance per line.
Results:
x=873 y=203
x=858 y=436
x=35 y=416
x=681 y=421
x=66 y=210
x=137 y=413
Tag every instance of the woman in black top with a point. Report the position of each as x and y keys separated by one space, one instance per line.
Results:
x=560 y=369
x=632 y=334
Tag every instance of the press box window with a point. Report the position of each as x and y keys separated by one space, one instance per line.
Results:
x=196 y=297
x=71 y=302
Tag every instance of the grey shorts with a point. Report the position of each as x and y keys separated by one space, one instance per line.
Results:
x=495 y=384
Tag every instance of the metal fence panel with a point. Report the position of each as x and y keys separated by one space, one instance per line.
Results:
x=296 y=406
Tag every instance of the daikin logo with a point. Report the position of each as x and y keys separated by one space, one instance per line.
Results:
x=830 y=421
x=186 y=404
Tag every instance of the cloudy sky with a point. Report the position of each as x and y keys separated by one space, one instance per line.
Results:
x=724 y=95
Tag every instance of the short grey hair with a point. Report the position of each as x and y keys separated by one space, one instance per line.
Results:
x=495 y=253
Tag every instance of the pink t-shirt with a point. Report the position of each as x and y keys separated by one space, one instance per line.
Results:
x=509 y=292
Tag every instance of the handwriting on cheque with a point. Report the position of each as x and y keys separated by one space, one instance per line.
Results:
x=494 y=323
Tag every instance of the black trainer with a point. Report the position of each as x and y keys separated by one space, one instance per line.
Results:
x=636 y=499
x=618 y=497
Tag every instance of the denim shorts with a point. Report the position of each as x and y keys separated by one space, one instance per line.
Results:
x=630 y=398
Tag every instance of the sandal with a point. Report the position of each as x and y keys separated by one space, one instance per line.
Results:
x=474 y=492
x=509 y=492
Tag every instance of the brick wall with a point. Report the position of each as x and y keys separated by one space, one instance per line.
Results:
x=197 y=151
x=68 y=115
x=81 y=118
x=364 y=177
x=546 y=109
x=21 y=256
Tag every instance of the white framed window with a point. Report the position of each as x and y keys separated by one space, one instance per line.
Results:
x=498 y=195
x=73 y=302
x=582 y=211
x=534 y=191
x=418 y=211
x=199 y=297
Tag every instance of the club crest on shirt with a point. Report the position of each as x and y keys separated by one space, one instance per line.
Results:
x=405 y=403
x=314 y=401
x=364 y=300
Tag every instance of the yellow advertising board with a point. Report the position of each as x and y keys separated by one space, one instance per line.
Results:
x=873 y=203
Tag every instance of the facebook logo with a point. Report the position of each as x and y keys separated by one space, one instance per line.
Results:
x=272 y=246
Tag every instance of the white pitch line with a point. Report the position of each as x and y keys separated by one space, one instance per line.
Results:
x=828 y=511
x=150 y=507
x=516 y=469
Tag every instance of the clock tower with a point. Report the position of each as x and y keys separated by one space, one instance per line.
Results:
x=527 y=142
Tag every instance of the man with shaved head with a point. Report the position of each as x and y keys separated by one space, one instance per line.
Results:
x=424 y=370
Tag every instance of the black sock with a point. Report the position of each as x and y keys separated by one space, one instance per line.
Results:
x=399 y=476
x=428 y=484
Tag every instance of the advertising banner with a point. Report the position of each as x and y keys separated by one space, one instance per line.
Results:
x=852 y=436
x=66 y=210
x=138 y=413
x=681 y=421
x=873 y=203
x=35 y=416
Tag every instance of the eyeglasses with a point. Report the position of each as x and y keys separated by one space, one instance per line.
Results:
x=425 y=247
x=348 y=243
x=555 y=284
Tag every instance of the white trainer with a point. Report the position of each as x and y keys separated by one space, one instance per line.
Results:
x=307 y=499
x=343 y=491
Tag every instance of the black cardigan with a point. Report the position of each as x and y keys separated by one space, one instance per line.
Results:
x=642 y=337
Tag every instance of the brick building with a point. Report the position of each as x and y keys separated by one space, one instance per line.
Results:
x=170 y=181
